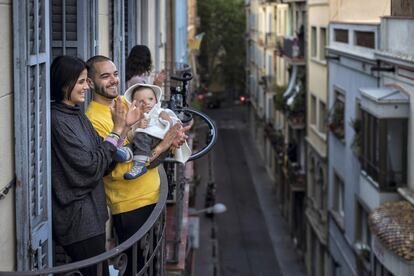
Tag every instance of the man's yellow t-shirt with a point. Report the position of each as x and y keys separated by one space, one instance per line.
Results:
x=123 y=195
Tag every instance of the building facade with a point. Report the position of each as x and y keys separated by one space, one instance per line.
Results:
x=34 y=32
x=353 y=40
x=349 y=174
x=316 y=138
x=386 y=186
x=276 y=82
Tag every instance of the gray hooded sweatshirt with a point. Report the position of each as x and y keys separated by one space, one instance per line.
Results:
x=79 y=161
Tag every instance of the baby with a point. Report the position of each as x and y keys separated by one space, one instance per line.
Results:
x=151 y=130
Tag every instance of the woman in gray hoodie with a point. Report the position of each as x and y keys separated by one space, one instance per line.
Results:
x=80 y=159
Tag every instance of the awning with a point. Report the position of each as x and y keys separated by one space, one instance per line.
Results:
x=292 y=82
x=393 y=224
x=296 y=91
x=385 y=102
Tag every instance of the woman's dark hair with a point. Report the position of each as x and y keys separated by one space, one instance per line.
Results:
x=138 y=61
x=64 y=72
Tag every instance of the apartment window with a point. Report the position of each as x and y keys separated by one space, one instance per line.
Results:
x=322 y=43
x=312 y=178
x=339 y=197
x=314 y=42
x=336 y=121
x=365 y=39
x=280 y=21
x=313 y=110
x=269 y=110
x=319 y=196
x=384 y=150
x=341 y=35
x=322 y=117
x=363 y=234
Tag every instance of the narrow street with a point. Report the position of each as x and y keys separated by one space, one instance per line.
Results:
x=250 y=238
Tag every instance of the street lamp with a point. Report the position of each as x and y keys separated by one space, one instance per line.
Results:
x=217 y=208
x=194 y=222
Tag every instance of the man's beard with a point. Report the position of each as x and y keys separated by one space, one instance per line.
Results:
x=100 y=90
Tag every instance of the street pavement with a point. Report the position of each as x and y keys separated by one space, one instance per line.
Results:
x=251 y=237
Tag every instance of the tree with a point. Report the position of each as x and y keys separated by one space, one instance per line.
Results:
x=222 y=53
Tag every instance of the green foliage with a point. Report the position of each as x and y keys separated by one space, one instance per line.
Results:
x=299 y=103
x=222 y=53
x=278 y=99
x=336 y=121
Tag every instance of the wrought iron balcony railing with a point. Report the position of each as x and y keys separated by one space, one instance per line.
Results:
x=388 y=180
x=294 y=49
x=150 y=238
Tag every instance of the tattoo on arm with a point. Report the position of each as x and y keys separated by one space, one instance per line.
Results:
x=153 y=155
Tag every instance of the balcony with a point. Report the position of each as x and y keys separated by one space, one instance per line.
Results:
x=293 y=170
x=296 y=175
x=150 y=238
x=384 y=125
x=297 y=120
x=276 y=139
x=162 y=238
x=384 y=152
x=279 y=101
x=294 y=50
x=297 y=109
x=268 y=82
x=336 y=118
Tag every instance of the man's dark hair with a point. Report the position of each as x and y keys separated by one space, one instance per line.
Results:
x=138 y=61
x=64 y=73
x=91 y=64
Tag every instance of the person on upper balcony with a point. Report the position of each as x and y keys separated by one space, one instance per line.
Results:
x=139 y=68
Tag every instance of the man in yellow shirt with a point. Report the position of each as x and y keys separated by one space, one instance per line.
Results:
x=130 y=201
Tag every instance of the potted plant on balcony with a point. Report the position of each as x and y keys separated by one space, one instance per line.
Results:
x=336 y=121
x=297 y=109
x=278 y=99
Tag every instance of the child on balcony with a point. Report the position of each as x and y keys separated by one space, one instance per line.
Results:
x=150 y=131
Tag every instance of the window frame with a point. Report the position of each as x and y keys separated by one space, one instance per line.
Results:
x=314 y=42
x=323 y=41
x=338 y=196
x=374 y=150
x=345 y=32
x=337 y=115
x=313 y=110
x=360 y=40
x=322 y=118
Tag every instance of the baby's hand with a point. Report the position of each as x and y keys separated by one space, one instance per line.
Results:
x=143 y=123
